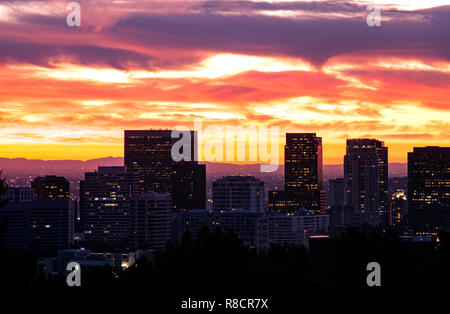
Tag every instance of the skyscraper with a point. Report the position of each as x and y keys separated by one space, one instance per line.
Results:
x=150 y=223
x=398 y=209
x=105 y=204
x=336 y=192
x=238 y=193
x=41 y=224
x=303 y=170
x=148 y=152
x=366 y=180
x=428 y=189
x=189 y=185
x=51 y=188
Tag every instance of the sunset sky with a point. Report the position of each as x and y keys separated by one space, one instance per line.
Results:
x=69 y=92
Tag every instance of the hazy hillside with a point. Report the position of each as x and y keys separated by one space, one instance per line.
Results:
x=76 y=168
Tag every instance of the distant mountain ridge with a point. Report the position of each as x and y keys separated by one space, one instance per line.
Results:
x=17 y=166
x=21 y=163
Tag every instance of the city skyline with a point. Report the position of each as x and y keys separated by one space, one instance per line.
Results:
x=318 y=68
x=225 y=155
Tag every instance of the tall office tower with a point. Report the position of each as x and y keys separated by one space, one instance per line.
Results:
x=428 y=189
x=150 y=223
x=238 y=193
x=40 y=224
x=189 y=186
x=149 y=154
x=303 y=171
x=51 y=224
x=336 y=192
x=340 y=215
x=398 y=209
x=14 y=214
x=51 y=188
x=366 y=180
x=105 y=204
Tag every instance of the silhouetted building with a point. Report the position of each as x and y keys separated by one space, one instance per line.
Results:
x=39 y=224
x=105 y=204
x=303 y=171
x=296 y=229
x=151 y=221
x=21 y=194
x=343 y=215
x=336 y=192
x=366 y=180
x=238 y=193
x=281 y=202
x=149 y=153
x=398 y=210
x=251 y=227
x=189 y=186
x=51 y=188
x=428 y=189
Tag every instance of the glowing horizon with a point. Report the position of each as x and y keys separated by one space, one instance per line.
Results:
x=68 y=92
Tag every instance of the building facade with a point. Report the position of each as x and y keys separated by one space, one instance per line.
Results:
x=105 y=204
x=51 y=188
x=189 y=186
x=150 y=221
x=149 y=153
x=398 y=209
x=336 y=197
x=366 y=180
x=238 y=193
x=428 y=189
x=303 y=171
x=43 y=225
x=251 y=227
x=296 y=229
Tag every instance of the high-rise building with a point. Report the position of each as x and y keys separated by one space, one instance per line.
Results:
x=303 y=171
x=428 y=189
x=15 y=215
x=51 y=188
x=189 y=186
x=151 y=223
x=105 y=204
x=39 y=224
x=398 y=209
x=51 y=223
x=336 y=197
x=366 y=180
x=238 y=193
x=148 y=152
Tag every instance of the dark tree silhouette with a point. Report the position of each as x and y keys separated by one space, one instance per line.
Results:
x=3 y=187
x=3 y=202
